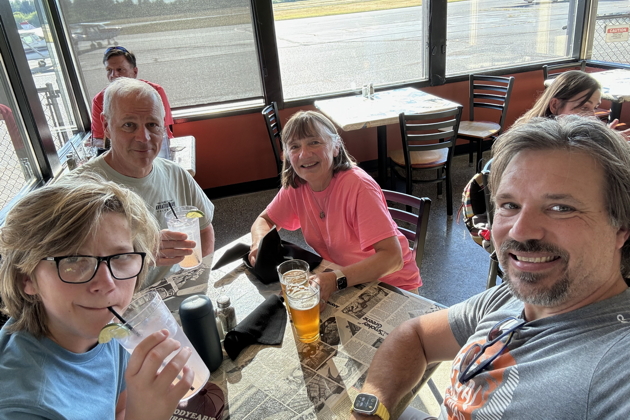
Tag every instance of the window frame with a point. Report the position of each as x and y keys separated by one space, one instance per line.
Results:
x=50 y=161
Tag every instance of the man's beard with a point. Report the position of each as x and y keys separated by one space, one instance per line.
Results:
x=550 y=296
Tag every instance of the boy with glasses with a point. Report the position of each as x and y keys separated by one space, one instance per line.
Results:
x=120 y=62
x=551 y=341
x=69 y=252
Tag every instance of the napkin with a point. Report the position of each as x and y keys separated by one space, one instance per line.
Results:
x=271 y=252
x=237 y=252
x=265 y=325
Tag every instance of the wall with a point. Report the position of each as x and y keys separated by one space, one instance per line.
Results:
x=234 y=150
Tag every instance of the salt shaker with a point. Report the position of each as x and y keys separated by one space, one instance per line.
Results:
x=71 y=161
x=199 y=325
x=226 y=313
x=217 y=319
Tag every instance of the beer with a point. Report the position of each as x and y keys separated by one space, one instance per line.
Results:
x=291 y=278
x=304 y=307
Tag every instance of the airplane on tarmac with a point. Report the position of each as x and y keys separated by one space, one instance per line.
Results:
x=94 y=33
x=34 y=44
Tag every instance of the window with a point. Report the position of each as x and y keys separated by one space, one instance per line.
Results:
x=19 y=171
x=199 y=51
x=610 y=36
x=329 y=46
x=486 y=34
x=47 y=72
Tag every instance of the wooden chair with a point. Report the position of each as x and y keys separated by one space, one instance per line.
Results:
x=490 y=92
x=428 y=142
x=414 y=227
x=413 y=224
x=551 y=71
x=274 y=128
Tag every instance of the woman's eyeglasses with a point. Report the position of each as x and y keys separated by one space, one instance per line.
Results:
x=82 y=268
x=503 y=330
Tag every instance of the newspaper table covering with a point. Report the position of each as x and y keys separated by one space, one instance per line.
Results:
x=296 y=380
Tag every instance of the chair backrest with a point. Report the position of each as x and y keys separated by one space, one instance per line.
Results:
x=551 y=71
x=413 y=226
x=274 y=128
x=431 y=131
x=491 y=92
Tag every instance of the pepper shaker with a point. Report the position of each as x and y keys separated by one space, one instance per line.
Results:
x=226 y=313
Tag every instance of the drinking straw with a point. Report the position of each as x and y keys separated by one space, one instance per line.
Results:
x=121 y=319
x=173 y=210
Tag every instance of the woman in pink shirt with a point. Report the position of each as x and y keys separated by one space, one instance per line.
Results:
x=341 y=210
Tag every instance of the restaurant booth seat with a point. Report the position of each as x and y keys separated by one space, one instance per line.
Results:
x=428 y=142
x=274 y=128
x=489 y=92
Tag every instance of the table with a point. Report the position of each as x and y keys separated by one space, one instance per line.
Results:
x=294 y=380
x=355 y=112
x=615 y=88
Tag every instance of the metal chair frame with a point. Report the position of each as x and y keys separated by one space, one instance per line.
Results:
x=427 y=132
x=416 y=237
x=494 y=270
x=274 y=129
x=490 y=92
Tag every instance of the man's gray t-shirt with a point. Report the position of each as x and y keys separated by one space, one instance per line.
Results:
x=569 y=366
x=167 y=183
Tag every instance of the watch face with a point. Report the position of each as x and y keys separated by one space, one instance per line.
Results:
x=365 y=403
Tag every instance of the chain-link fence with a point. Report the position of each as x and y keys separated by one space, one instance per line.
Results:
x=12 y=179
x=614 y=52
x=14 y=161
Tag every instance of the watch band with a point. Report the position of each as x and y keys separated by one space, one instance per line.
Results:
x=370 y=405
x=342 y=281
x=381 y=411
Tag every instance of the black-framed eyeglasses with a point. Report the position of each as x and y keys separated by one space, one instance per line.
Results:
x=82 y=268
x=116 y=48
x=502 y=330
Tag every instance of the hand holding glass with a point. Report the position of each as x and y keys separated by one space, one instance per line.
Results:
x=189 y=226
x=147 y=314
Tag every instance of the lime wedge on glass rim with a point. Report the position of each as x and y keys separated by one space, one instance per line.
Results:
x=194 y=214
x=113 y=330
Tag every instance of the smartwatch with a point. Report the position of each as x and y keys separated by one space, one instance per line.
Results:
x=369 y=404
x=342 y=281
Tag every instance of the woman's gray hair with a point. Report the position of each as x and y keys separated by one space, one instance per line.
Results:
x=304 y=124
x=575 y=133
x=123 y=87
x=57 y=220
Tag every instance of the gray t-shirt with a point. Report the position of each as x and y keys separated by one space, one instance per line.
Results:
x=167 y=183
x=569 y=366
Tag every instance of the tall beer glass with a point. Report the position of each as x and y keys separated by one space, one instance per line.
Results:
x=304 y=308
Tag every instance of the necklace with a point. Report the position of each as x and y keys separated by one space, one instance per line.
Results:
x=322 y=213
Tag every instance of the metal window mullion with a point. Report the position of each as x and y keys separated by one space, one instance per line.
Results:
x=434 y=14
x=26 y=95
x=578 y=26
x=269 y=63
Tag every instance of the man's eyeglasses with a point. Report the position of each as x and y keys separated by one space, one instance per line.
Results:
x=82 y=268
x=116 y=48
x=503 y=330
